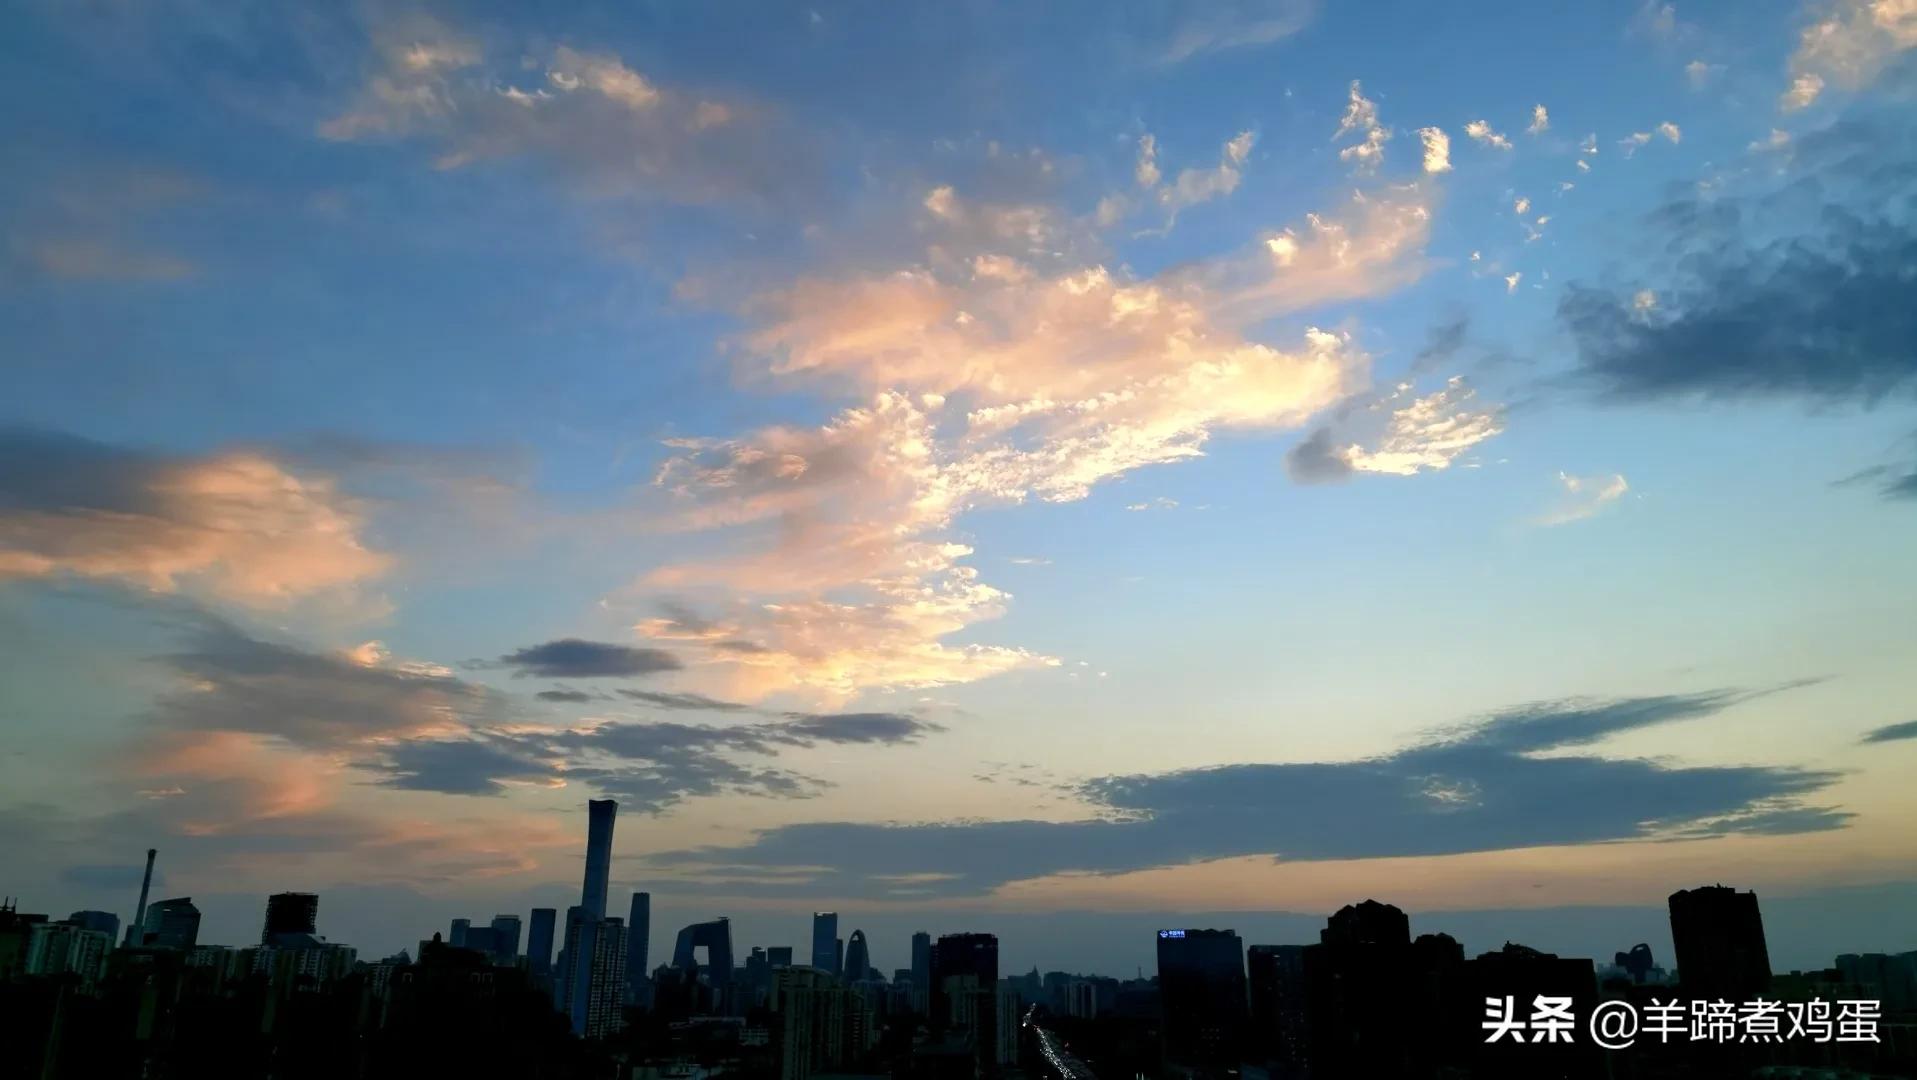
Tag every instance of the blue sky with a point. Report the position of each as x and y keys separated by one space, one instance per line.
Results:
x=958 y=428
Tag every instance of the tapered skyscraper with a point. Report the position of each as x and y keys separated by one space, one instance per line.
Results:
x=592 y=897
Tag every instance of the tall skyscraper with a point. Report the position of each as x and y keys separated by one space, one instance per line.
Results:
x=1719 y=936
x=290 y=913
x=921 y=971
x=964 y=1004
x=825 y=941
x=171 y=924
x=600 y=814
x=584 y=968
x=539 y=941
x=457 y=934
x=505 y=939
x=1201 y=977
x=638 y=947
x=858 y=958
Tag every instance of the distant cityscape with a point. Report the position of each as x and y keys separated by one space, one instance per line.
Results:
x=547 y=996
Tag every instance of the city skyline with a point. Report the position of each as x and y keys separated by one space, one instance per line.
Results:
x=961 y=468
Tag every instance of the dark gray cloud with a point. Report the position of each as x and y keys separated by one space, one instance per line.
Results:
x=575 y=697
x=1318 y=458
x=668 y=700
x=1892 y=733
x=50 y=471
x=314 y=700
x=1896 y=480
x=649 y=766
x=475 y=766
x=1801 y=291
x=1476 y=788
x=574 y=658
x=857 y=727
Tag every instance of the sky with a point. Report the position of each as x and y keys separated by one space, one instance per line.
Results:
x=1048 y=467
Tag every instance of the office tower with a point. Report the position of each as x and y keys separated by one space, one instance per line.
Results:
x=638 y=942
x=965 y=996
x=592 y=896
x=101 y=922
x=171 y=924
x=136 y=927
x=1367 y=923
x=779 y=956
x=1359 y=983
x=715 y=938
x=858 y=958
x=825 y=941
x=505 y=930
x=1638 y=963
x=539 y=941
x=456 y=936
x=838 y=957
x=921 y=971
x=483 y=940
x=1201 y=975
x=1275 y=975
x=1719 y=936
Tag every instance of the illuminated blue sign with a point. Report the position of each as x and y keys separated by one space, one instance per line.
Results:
x=1171 y=933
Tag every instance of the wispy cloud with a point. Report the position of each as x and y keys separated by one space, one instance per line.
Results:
x=1584 y=497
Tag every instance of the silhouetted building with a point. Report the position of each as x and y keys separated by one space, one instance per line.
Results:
x=1524 y=975
x=290 y=913
x=921 y=971
x=539 y=941
x=825 y=941
x=1891 y=977
x=592 y=895
x=811 y=1026
x=779 y=956
x=171 y=924
x=964 y=997
x=638 y=947
x=602 y=1011
x=1365 y=986
x=858 y=958
x=1637 y=964
x=1201 y=975
x=715 y=938
x=1719 y=937
x=65 y=948
x=1275 y=977
x=100 y=922
x=505 y=930
x=458 y=934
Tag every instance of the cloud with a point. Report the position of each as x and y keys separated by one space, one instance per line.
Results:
x=1437 y=149
x=1891 y=733
x=1540 y=121
x=1584 y=497
x=1481 y=132
x=573 y=697
x=606 y=129
x=1146 y=171
x=572 y=658
x=99 y=260
x=665 y=700
x=1702 y=74
x=1511 y=281
x=237 y=524
x=1657 y=21
x=1850 y=45
x=649 y=766
x=1511 y=780
x=842 y=573
x=1816 y=313
x=1235 y=24
x=1361 y=117
x=1195 y=186
x=1406 y=435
